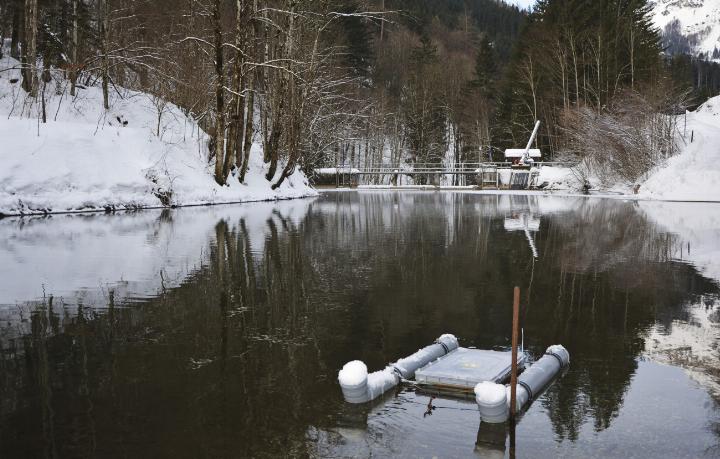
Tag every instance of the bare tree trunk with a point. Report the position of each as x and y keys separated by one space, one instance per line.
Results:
x=219 y=98
x=29 y=58
x=278 y=115
x=274 y=142
x=598 y=63
x=248 y=134
x=104 y=45
x=236 y=106
x=632 y=57
x=45 y=80
x=575 y=65
x=74 y=69
x=15 y=34
x=382 y=23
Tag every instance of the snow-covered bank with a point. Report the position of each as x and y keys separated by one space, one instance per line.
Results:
x=691 y=175
x=694 y=174
x=85 y=158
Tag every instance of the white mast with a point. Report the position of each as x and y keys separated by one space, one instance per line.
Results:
x=526 y=156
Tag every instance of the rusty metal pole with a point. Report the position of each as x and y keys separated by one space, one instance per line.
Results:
x=514 y=367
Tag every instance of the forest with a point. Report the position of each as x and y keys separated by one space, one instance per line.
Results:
x=325 y=82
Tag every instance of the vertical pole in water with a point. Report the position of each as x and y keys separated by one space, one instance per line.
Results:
x=514 y=368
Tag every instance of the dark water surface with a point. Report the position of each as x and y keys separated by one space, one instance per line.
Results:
x=218 y=332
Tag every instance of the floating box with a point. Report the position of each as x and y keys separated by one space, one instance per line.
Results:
x=464 y=368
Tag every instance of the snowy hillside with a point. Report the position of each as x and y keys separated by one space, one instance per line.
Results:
x=694 y=174
x=699 y=22
x=143 y=152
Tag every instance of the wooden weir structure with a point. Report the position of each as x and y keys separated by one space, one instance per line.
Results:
x=481 y=174
x=485 y=175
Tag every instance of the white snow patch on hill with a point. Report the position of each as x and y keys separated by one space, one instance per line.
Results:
x=85 y=158
x=694 y=174
x=700 y=18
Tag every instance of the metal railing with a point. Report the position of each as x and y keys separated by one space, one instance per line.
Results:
x=420 y=168
x=486 y=172
x=435 y=168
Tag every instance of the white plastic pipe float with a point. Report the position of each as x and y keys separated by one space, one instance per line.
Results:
x=494 y=399
x=360 y=387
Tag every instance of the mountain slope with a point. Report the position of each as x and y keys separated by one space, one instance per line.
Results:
x=698 y=22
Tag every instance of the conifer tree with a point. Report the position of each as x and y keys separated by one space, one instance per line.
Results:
x=485 y=69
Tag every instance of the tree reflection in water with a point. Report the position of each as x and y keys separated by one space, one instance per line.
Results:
x=240 y=358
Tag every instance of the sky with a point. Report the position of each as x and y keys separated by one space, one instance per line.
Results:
x=521 y=3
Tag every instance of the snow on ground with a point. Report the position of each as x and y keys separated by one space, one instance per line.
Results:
x=557 y=178
x=694 y=174
x=85 y=158
x=691 y=175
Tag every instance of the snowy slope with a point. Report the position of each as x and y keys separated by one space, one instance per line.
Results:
x=694 y=174
x=85 y=158
x=698 y=18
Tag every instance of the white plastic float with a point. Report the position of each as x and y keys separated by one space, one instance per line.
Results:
x=494 y=399
x=446 y=366
x=359 y=387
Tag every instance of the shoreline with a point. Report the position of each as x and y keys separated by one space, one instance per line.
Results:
x=143 y=208
x=318 y=191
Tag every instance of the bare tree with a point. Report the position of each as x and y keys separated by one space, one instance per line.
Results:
x=29 y=49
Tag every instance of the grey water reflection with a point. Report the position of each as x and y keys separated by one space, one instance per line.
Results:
x=219 y=332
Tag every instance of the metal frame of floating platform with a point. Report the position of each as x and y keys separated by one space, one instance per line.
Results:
x=463 y=368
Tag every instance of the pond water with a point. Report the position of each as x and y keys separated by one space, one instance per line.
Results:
x=218 y=332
